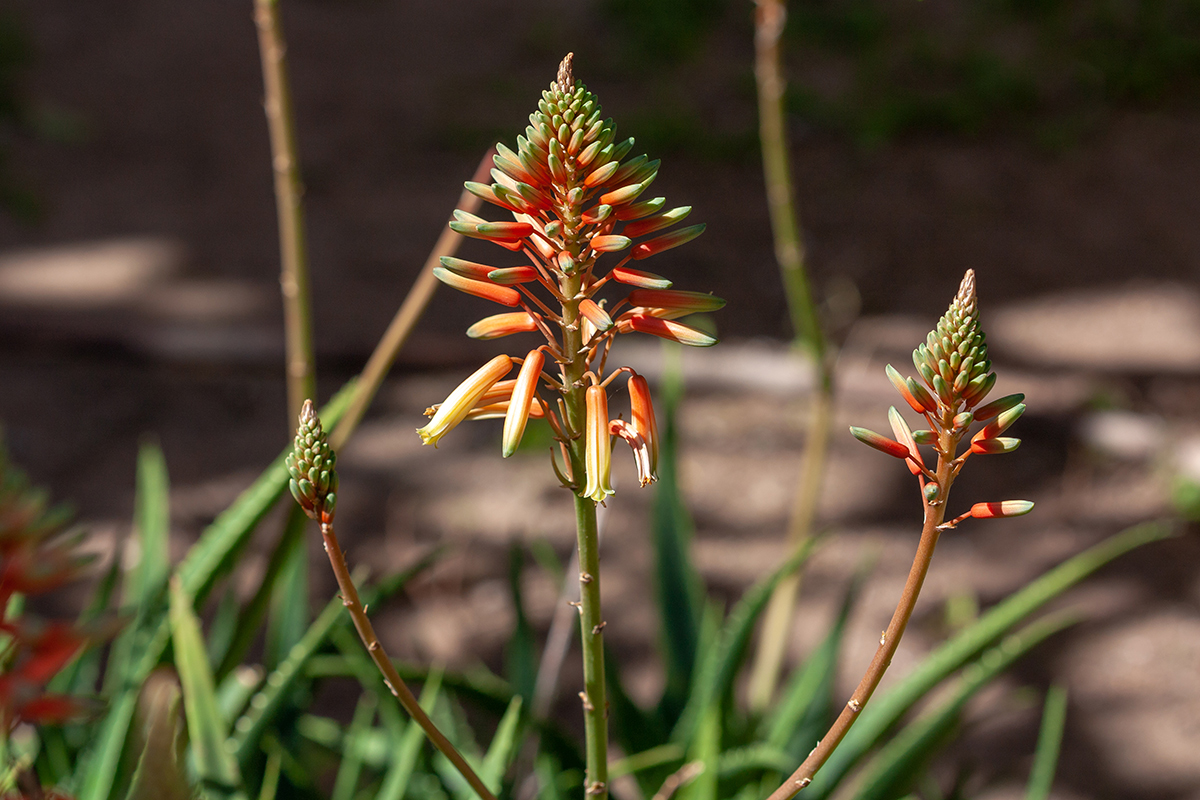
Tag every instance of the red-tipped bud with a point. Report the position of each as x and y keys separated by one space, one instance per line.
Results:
x=640 y=210
x=993 y=446
x=902 y=387
x=523 y=394
x=498 y=325
x=467 y=269
x=595 y=314
x=610 y=243
x=493 y=231
x=600 y=174
x=649 y=225
x=690 y=302
x=879 y=442
x=488 y=291
x=925 y=437
x=636 y=277
x=1001 y=423
x=984 y=413
x=1005 y=508
x=904 y=436
x=666 y=242
x=665 y=329
x=510 y=276
x=922 y=395
x=623 y=195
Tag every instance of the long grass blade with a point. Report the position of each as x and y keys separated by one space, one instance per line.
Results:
x=1045 y=759
x=350 y=770
x=215 y=766
x=503 y=747
x=395 y=782
x=289 y=612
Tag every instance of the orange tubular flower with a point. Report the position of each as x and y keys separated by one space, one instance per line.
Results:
x=597 y=447
x=460 y=402
x=644 y=423
x=523 y=393
x=641 y=450
x=666 y=329
x=488 y=291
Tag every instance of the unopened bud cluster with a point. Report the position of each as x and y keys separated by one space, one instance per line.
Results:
x=955 y=377
x=311 y=467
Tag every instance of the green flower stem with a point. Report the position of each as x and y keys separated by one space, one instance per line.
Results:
x=934 y=514
x=289 y=192
x=401 y=326
x=770 y=16
x=591 y=623
x=392 y=678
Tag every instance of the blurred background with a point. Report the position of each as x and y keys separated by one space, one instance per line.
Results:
x=1051 y=145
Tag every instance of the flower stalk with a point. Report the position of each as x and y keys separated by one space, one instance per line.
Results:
x=577 y=220
x=312 y=465
x=953 y=364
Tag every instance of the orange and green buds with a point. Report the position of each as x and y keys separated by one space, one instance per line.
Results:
x=649 y=225
x=523 y=393
x=880 y=442
x=1005 y=508
x=498 y=325
x=953 y=360
x=467 y=269
x=984 y=413
x=610 y=243
x=989 y=447
x=917 y=398
x=642 y=410
x=311 y=466
x=493 y=231
x=460 y=402
x=488 y=291
x=636 y=277
x=665 y=329
x=509 y=276
x=675 y=300
x=1001 y=423
x=597 y=448
x=666 y=242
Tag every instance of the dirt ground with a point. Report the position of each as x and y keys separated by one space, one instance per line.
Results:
x=144 y=303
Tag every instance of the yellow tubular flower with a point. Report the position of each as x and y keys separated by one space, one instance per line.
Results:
x=518 y=409
x=460 y=402
x=597 y=449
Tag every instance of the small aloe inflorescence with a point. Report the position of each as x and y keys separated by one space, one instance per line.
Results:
x=311 y=466
x=572 y=201
x=956 y=376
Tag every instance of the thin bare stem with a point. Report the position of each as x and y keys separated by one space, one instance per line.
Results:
x=391 y=677
x=401 y=326
x=888 y=642
x=789 y=252
x=289 y=193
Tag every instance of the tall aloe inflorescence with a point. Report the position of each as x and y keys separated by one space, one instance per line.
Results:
x=573 y=201
x=956 y=377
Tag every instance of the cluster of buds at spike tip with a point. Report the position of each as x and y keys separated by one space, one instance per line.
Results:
x=579 y=219
x=955 y=376
x=311 y=466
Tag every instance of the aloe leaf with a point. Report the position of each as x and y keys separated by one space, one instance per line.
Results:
x=677 y=585
x=159 y=774
x=395 y=782
x=235 y=691
x=271 y=772
x=206 y=731
x=289 y=613
x=647 y=759
x=883 y=712
x=714 y=679
x=350 y=770
x=893 y=770
x=752 y=759
x=705 y=753
x=805 y=710
x=1045 y=758
x=152 y=521
x=502 y=748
